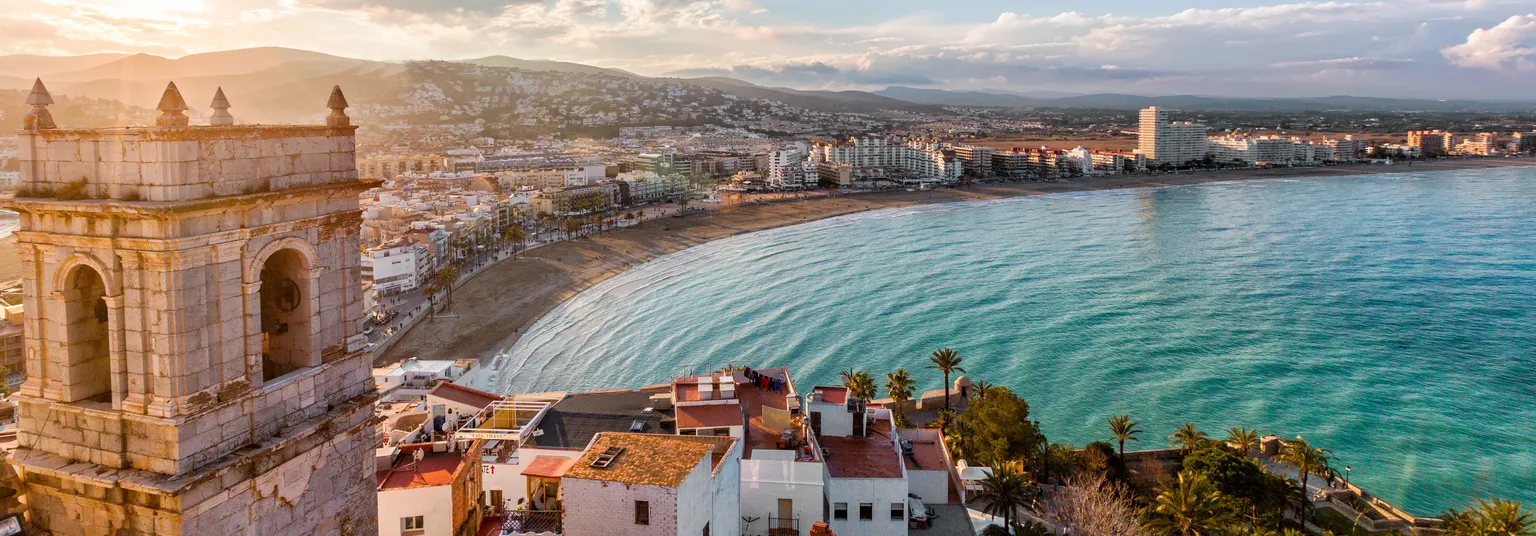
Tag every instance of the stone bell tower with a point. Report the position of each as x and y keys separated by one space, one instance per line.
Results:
x=194 y=363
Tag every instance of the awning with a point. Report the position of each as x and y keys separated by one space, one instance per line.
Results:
x=548 y=466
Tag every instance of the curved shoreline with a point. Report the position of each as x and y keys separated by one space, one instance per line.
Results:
x=492 y=310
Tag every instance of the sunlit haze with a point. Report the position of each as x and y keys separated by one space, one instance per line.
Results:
x=1413 y=48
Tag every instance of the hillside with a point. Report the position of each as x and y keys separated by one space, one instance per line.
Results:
x=547 y=65
x=150 y=68
x=818 y=101
x=1115 y=101
x=30 y=66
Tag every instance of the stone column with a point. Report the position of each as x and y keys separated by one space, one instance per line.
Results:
x=252 y=323
x=136 y=347
x=117 y=357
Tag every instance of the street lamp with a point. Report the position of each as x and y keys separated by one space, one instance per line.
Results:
x=1346 y=474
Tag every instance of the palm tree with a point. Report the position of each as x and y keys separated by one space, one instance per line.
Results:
x=1309 y=460
x=1243 y=439
x=946 y=360
x=981 y=388
x=1190 y=506
x=1124 y=429
x=898 y=386
x=859 y=384
x=1004 y=491
x=1187 y=438
x=514 y=232
x=1495 y=517
x=447 y=277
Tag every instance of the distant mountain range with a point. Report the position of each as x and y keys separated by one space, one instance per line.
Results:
x=1112 y=101
x=274 y=83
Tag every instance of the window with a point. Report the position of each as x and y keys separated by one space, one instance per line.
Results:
x=642 y=513
x=413 y=523
x=866 y=511
x=898 y=511
x=839 y=510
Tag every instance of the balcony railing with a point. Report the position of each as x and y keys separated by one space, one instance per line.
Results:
x=783 y=526
x=531 y=522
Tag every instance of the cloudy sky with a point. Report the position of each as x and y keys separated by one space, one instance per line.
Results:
x=1408 y=48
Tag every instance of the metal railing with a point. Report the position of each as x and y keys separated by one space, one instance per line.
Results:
x=531 y=522
x=786 y=526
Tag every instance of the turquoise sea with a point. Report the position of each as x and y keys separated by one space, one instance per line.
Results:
x=1390 y=318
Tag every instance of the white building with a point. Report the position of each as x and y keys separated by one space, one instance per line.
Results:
x=396 y=267
x=427 y=489
x=1234 y=150
x=414 y=377
x=866 y=481
x=790 y=168
x=654 y=485
x=1171 y=143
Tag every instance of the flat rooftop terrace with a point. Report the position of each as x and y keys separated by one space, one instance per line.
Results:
x=872 y=456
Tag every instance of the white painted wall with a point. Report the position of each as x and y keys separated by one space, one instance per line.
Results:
x=774 y=474
x=882 y=492
x=598 y=508
x=435 y=503
x=726 y=488
x=508 y=477
x=836 y=421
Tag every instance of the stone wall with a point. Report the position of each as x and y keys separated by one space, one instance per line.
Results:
x=318 y=479
x=183 y=164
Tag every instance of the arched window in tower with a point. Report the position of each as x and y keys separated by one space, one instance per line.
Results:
x=87 y=371
x=285 y=315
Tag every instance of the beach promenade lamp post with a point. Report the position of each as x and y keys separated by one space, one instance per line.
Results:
x=1346 y=475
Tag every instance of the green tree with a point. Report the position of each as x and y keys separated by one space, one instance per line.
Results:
x=1001 y=429
x=1309 y=460
x=1187 y=438
x=1242 y=479
x=446 y=278
x=1243 y=439
x=860 y=385
x=1494 y=517
x=947 y=361
x=1124 y=429
x=573 y=227
x=899 y=387
x=981 y=388
x=1004 y=491
x=1189 y=506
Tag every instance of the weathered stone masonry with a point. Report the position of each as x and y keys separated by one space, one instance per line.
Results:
x=192 y=316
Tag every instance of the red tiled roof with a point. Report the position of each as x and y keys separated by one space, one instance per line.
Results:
x=709 y=416
x=463 y=395
x=548 y=466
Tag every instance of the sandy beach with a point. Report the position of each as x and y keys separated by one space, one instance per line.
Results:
x=492 y=310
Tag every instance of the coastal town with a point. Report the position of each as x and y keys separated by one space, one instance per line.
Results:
x=216 y=322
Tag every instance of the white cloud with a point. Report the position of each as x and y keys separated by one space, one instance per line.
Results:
x=1282 y=45
x=1511 y=43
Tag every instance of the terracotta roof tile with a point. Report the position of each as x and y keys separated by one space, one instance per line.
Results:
x=654 y=459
